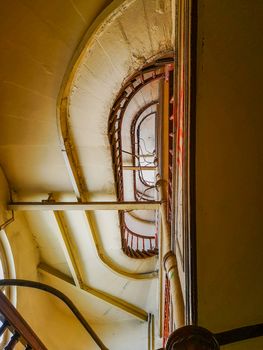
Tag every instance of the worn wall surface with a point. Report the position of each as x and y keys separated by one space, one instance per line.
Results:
x=38 y=40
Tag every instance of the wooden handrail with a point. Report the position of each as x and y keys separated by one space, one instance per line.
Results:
x=199 y=337
x=62 y=297
x=239 y=334
x=22 y=332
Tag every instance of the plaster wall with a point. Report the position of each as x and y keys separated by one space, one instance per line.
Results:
x=229 y=165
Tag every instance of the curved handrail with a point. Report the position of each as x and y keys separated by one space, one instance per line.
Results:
x=132 y=136
x=11 y=320
x=131 y=88
x=139 y=235
x=116 y=117
x=145 y=221
x=61 y=296
x=138 y=242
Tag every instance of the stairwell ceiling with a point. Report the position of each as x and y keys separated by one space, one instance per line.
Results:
x=38 y=42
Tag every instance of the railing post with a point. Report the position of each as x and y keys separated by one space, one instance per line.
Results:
x=3 y=328
x=13 y=341
x=192 y=337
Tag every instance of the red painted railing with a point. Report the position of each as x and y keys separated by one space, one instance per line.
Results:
x=139 y=242
x=132 y=243
x=166 y=321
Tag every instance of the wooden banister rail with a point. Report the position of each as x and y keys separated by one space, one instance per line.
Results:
x=14 y=322
x=195 y=337
x=58 y=294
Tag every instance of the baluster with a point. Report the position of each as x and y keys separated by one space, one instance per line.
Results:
x=13 y=341
x=156 y=240
x=3 y=328
x=132 y=242
x=131 y=237
x=151 y=246
x=124 y=242
x=143 y=244
x=137 y=242
x=126 y=239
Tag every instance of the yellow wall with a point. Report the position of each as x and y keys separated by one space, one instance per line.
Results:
x=229 y=172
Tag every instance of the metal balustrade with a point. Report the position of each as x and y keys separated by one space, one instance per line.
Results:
x=134 y=244
x=139 y=246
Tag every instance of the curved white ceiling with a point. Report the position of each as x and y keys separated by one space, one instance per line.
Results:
x=127 y=42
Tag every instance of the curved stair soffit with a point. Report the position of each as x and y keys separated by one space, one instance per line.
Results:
x=111 y=13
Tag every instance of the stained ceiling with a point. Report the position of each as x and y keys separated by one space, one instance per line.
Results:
x=42 y=65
